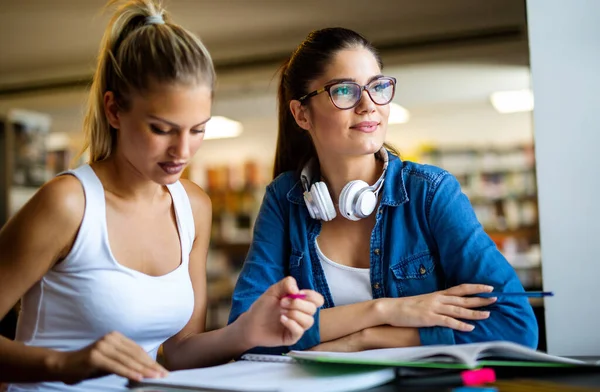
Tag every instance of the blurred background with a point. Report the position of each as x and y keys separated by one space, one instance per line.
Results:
x=463 y=102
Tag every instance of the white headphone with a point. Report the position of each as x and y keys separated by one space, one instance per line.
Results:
x=357 y=199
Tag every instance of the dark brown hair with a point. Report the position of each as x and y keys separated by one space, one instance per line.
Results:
x=307 y=63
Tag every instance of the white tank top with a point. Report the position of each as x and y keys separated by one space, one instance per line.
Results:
x=90 y=294
x=347 y=285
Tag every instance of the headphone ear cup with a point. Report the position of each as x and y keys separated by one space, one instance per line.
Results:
x=348 y=198
x=323 y=201
x=365 y=203
x=311 y=205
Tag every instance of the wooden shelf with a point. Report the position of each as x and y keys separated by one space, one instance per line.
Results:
x=536 y=302
x=489 y=172
x=491 y=200
x=231 y=247
x=468 y=149
x=520 y=232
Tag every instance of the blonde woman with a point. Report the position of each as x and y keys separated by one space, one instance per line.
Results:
x=109 y=259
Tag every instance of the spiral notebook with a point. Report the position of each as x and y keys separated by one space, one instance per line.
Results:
x=268 y=358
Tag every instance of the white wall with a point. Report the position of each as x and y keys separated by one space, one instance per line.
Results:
x=564 y=41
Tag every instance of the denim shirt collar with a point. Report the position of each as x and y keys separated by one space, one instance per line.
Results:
x=393 y=192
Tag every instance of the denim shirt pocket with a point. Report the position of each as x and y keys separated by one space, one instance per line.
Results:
x=415 y=274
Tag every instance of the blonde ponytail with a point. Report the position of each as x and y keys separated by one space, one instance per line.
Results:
x=140 y=45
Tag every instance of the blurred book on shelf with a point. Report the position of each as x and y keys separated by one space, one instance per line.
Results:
x=236 y=192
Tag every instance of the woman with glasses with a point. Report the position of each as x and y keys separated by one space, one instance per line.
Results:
x=393 y=246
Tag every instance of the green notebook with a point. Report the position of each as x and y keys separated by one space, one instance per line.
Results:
x=459 y=356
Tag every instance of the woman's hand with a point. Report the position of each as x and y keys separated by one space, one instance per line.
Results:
x=441 y=308
x=111 y=354
x=274 y=320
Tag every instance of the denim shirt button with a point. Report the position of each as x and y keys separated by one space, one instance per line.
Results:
x=376 y=251
x=376 y=286
x=422 y=270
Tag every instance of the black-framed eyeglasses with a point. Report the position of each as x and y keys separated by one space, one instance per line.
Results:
x=347 y=95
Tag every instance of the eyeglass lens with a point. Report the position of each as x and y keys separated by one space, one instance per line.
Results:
x=347 y=94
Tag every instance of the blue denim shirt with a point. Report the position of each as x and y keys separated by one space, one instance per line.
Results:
x=426 y=238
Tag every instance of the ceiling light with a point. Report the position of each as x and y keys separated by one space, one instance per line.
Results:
x=512 y=101
x=219 y=127
x=398 y=114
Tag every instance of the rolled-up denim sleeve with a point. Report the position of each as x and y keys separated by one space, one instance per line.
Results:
x=468 y=255
x=436 y=335
x=267 y=263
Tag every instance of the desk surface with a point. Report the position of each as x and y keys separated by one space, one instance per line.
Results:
x=581 y=380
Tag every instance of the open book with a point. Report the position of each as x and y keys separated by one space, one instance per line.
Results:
x=467 y=356
x=274 y=373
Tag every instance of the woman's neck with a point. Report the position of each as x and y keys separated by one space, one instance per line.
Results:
x=123 y=180
x=339 y=171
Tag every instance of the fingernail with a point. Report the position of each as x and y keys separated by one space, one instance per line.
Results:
x=284 y=318
x=486 y=314
x=286 y=302
x=471 y=327
x=493 y=299
x=284 y=311
x=489 y=288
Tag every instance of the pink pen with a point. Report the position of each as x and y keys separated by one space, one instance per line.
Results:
x=296 y=296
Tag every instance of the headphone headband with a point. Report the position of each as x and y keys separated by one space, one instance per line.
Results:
x=308 y=171
x=379 y=184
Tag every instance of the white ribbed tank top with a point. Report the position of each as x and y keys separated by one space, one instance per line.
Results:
x=90 y=294
x=347 y=285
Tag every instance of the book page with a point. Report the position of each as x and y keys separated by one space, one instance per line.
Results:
x=513 y=351
x=285 y=377
x=392 y=356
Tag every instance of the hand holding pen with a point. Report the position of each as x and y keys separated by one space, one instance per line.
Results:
x=280 y=316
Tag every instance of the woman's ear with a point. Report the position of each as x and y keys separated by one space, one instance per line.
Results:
x=300 y=114
x=111 y=109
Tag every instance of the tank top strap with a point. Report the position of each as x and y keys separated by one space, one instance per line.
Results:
x=184 y=215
